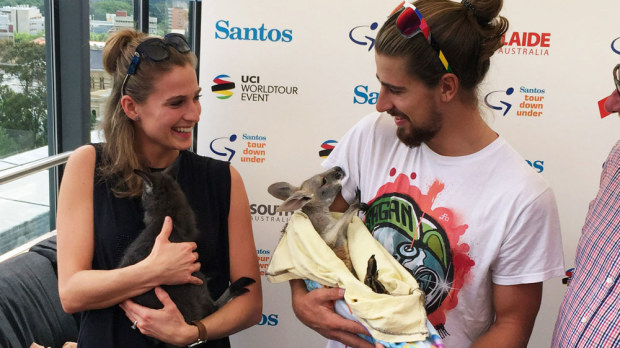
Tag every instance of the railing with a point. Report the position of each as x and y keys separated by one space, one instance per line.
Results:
x=21 y=171
x=26 y=169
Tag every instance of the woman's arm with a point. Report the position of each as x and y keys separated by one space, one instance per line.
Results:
x=81 y=287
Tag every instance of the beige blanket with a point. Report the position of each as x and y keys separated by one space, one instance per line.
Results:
x=302 y=254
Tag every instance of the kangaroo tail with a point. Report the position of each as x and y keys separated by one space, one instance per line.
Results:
x=237 y=288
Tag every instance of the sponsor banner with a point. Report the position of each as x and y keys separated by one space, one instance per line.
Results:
x=289 y=78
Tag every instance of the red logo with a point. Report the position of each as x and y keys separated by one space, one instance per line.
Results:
x=526 y=43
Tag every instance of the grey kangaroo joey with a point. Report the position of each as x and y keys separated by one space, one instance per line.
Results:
x=314 y=197
x=162 y=196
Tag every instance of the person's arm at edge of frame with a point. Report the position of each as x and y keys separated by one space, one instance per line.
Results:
x=245 y=310
x=80 y=287
x=516 y=307
x=315 y=309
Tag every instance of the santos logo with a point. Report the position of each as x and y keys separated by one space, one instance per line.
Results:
x=615 y=45
x=360 y=35
x=538 y=166
x=530 y=101
x=526 y=43
x=223 y=31
x=269 y=320
x=254 y=147
x=363 y=96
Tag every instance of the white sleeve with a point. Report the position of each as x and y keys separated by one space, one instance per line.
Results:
x=532 y=251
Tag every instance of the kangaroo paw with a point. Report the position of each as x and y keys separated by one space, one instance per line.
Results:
x=237 y=288
x=358 y=204
x=372 y=277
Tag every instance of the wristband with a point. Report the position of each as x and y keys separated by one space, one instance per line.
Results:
x=202 y=333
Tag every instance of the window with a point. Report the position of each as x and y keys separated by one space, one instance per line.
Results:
x=24 y=203
x=44 y=93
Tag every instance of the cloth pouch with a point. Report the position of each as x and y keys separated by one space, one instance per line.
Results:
x=395 y=317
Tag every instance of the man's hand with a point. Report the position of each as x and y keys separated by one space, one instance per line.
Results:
x=316 y=310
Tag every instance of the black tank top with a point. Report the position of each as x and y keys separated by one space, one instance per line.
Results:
x=117 y=222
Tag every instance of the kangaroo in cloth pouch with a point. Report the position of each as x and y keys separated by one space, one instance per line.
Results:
x=337 y=250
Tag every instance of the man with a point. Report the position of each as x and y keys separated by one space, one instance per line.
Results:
x=447 y=196
x=590 y=313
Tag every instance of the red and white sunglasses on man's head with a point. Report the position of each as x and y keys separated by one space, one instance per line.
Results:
x=410 y=22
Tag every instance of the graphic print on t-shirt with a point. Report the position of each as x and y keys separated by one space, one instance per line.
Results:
x=424 y=239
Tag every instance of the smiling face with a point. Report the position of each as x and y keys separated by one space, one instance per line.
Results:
x=168 y=116
x=408 y=100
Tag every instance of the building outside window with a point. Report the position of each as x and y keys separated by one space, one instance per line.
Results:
x=24 y=203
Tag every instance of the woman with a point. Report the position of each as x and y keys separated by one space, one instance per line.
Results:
x=151 y=112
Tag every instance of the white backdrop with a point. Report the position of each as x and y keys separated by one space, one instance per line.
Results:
x=303 y=74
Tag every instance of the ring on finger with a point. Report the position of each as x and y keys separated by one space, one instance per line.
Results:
x=135 y=324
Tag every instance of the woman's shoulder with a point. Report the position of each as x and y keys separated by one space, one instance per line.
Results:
x=83 y=155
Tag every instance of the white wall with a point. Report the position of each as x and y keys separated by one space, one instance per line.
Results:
x=306 y=49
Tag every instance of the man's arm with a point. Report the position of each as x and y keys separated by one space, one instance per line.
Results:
x=516 y=307
x=316 y=308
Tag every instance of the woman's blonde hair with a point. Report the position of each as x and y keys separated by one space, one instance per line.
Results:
x=119 y=155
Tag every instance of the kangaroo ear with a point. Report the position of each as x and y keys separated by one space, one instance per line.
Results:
x=148 y=184
x=281 y=190
x=295 y=201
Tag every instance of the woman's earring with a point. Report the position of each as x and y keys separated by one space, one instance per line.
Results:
x=137 y=118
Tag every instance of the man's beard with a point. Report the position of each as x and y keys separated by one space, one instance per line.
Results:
x=414 y=136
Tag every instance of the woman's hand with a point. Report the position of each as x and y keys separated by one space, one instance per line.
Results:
x=173 y=263
x=166 y=324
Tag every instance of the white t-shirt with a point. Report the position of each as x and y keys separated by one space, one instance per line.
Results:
x=459 y=224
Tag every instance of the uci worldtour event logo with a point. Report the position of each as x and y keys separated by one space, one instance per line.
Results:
x=225 y=31
x=327 y=147
x=526 y=102
x=250 y=148
x=424 y=238
x=526 y=44
x=252 y=89
x=363 y=35
x=222 y=87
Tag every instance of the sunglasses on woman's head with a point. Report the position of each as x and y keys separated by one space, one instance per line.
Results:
x=410 y=23
x=156 y=50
